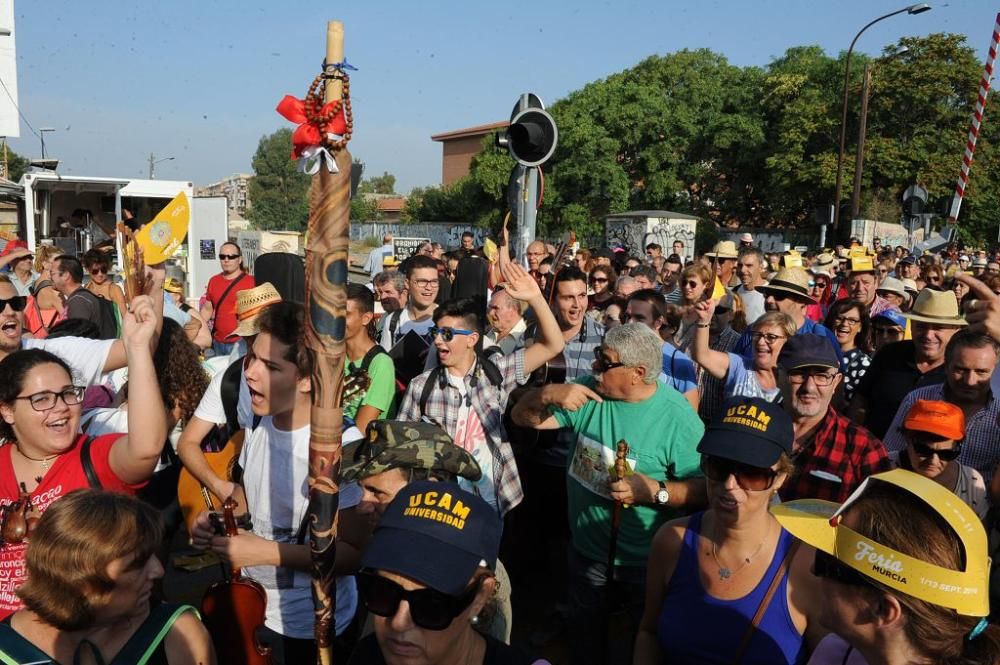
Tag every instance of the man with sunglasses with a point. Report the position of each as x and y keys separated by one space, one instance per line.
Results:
x=220 y=298
x=467 y=393
x=622 y=400
x=832 y=454
x=970 y=361
x=81 y=303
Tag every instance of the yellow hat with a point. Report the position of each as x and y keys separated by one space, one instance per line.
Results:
x=818 y=523
x=171 y=285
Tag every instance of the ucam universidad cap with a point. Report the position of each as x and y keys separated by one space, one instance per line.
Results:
x=437 y=534
x=750 y=431
x=819 y=524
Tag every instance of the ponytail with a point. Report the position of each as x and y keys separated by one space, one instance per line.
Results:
x=983 y=649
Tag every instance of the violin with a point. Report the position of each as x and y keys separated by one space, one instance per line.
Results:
x=233 y=609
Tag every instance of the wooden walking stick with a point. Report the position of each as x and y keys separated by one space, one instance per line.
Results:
x=325 y=125
x=621 y=469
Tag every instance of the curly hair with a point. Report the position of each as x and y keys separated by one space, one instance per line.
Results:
x=178 y=368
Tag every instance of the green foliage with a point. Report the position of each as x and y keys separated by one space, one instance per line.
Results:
x=364 y=209
x=382 y=184
x=16 y=165
x=280 y=194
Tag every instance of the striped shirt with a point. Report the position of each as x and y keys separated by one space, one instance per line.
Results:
x=981 y=448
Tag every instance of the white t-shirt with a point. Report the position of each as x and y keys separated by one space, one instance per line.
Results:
x=105 y=420
x=86 y=357
x=405 y=325
x=275 y=479
x=470 y=435
x=210 y=408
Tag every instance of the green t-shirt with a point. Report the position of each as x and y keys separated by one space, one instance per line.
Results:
x=381 y=392
x=662 y=433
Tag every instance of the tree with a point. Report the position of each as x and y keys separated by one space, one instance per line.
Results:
x=382 y=184
x=280 y=193
x=16 y=165
x=364 y=209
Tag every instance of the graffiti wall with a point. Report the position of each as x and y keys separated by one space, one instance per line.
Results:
x=866 y=230
x=634 y=233
x=448 y=234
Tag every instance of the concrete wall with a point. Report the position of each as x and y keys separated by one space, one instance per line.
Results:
x=448 y=234
x=634 y=233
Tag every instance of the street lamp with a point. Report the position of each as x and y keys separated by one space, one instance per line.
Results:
x=153 y=161
x=859 y=155
x=912 y=9
x=41 y=136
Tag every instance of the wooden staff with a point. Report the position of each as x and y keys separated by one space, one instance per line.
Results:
x=326 y=297
x=616 y=518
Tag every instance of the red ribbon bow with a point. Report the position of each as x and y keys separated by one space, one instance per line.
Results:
x=307 y=134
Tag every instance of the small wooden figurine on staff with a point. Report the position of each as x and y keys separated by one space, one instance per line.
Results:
x=320 y=141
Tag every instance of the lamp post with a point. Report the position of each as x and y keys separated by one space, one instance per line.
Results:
x=41 y=136
x=859 y=156
x=912 y=9
x=153 y=161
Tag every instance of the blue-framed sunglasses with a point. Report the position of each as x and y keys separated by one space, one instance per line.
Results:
x=447 y=334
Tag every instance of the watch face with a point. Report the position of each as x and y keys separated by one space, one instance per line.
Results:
x=662 y=496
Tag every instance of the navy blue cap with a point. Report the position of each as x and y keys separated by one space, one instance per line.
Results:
x=909 y=258
x=750 y=431
x=436 y=534
x=894 y=316
x=808 y=350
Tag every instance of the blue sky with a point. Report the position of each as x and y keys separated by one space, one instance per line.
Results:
x=199 y=80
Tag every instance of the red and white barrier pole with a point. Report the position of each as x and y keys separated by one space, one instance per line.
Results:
x=977 y=119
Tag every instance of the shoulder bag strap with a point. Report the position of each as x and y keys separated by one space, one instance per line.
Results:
x=766 y=601
x=232 y=285
x=88 y=465
x=145 y=641
x=16 y=650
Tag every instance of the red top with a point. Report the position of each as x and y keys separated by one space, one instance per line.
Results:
x=65 y=475
x=831 y=465
x=225 y=316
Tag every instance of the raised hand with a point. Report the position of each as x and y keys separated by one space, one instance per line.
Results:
x=139 y=323
x=982 y=313
x=517 y=282
x=705 y=309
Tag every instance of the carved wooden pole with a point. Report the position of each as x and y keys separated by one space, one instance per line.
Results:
x=326 y=297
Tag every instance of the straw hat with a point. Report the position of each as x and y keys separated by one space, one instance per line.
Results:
x=910 y=285
x=892 y=285
x=725 y=249
x=939 y=307
x=250 y=303
x=173 y=285
x=825 y=264
x=792 y=281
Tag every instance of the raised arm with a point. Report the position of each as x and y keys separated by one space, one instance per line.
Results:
x=134 y=456
x=549 y=343
x=118 y=355
x=714 y=362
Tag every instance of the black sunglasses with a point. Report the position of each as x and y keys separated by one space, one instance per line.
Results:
x=429 y=608
x=825 y=565
x=601 y=363
x=99 y=271
x=924 y=451
x=228 y=257
x=750 y=478
x=17 y=303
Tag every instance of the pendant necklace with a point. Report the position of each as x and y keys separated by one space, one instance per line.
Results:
x=46 y=462
x=725 y=572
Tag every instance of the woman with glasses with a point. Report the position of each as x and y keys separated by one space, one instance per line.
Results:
x=933 y=276
x=583 y=260
x=728 y=585
x=934 y=432
x=696 y=283
x=45 y=457
x=887 y=327
x=601 y=281
x=426 y=577
x=98 y=266
x=848 y=319
x=904 y=574
x=91 y=570
x=744 y=377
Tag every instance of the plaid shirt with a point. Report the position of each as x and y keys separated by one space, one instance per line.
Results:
x=489 y=402
x=981 y=447
x=880 y=305
x=838 y=449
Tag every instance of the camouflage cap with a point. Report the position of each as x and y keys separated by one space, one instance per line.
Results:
x=391 y=444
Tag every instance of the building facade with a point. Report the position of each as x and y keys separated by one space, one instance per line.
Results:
x=234 y=188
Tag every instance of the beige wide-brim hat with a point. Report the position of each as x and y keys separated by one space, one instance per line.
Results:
x=940 y=307
x=793 y=281
x=892 y=285
x=249 y=304
x=825 y=264
x=725 y=249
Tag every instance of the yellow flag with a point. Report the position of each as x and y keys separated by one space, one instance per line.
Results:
x=161 y=237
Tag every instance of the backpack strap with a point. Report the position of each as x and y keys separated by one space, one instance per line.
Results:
x=147 y=639
x=217 y=305
x=88 y=465
x=393 y=324
x=230 y=395
x=16 y=650
x=370 y=356
x=435 y=377
x=490 y=368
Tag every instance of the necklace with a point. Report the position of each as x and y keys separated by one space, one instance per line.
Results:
x=724 y=571
x=45 y=461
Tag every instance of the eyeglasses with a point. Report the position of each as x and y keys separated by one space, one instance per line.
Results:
x=447 y=334
x=921 y=446
x=17 y=303
x=750 y=478
x=602 y=364
x=228 y=257
x=887 y=330
x=46 y=399
x=841 y=320
x=598 y=280
x=821 y=379
x=424 y=283
x=831 y=568
x=98 y=271
x=768 y=338
x=429 y=609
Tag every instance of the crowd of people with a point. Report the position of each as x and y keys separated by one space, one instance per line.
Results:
x=728 y=456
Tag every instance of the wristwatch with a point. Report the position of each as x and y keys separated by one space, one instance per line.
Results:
x=662 y=495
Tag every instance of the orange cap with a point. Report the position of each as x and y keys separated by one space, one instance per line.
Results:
x=941 y=418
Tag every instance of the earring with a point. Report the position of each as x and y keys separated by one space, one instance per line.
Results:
x=474 y=620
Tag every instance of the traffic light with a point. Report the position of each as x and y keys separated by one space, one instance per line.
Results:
x=532 y=136
x=914 y=200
